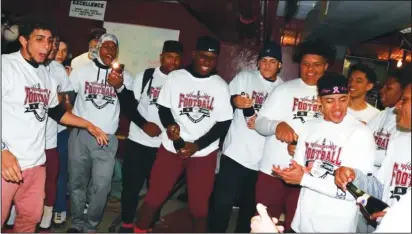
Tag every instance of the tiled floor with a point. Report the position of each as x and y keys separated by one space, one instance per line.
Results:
x=174 y=217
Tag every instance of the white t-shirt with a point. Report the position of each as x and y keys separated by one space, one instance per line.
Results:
x=242 y=144
x=322 y=206
x=80 y=60
x=27 y=94
x=147 y=107
x=59 y=75
x=196 y=105
x=383 y=127
x=96 y=99
x=398 y=217
x=366 y=114
x=395 y=172
x=293 y=102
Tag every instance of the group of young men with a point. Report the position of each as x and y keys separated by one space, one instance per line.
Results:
x=292 y=146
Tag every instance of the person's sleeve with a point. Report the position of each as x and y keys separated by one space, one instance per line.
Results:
x=166 y=116
x=53 y=100
x=374 y=184
x=224 y=108
x=214 y=134
x=6 y=77
x=128 y=107
x=164 y=98
x=300 y=150
x=224 y=117
x=235 y=88
x=368 y=183
x=128 y=80
x=66 y=85
x=373 y=126
x=164 y=102
x=137 y=85
x=398 y=217
x=270 y=114
x=75 y=77
x=361 y=145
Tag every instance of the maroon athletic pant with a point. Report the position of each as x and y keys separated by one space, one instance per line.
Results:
x=167 y=168
x=52 y=173
x=277 y=196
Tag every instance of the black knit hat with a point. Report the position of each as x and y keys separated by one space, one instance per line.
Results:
x=332 y=83
x=96 y=33
x=206 y=43
x=271 y=49
x=172 y=47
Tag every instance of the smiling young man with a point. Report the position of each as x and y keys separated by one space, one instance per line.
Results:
x=287 y=107
x=324 y=145
x=194 y=105
x=384 y=124
x=243 y=146
x=88 y=56
x=362 y=78
x=140 y=106
x=97 y=101
x=393 y=179
x=29 y=96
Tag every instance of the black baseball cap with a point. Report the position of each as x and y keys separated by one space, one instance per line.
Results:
x=172 y=47
x=206 y=43
x=271 y=49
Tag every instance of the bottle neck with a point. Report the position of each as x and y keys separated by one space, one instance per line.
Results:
x=355 y=191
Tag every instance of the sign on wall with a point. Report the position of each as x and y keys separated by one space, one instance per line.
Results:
x=88 y=9
x=140 y=46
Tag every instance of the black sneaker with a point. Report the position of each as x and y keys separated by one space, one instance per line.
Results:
x=72 y=230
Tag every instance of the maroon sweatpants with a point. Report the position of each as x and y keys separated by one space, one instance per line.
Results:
x=166 y=170
x=277 y=196
x=52 y=173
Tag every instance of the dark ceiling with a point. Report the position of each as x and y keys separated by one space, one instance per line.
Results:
x=340 y=22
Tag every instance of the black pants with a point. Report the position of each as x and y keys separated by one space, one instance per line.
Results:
x=235 y=184
x=137 y=164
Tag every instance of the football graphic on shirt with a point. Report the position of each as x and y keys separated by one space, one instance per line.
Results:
x=99 y=94
x=195 y=105
x=401 y=179
x=306 y=107
x=37 y=101
x=154 y=95
x=325 y=156
x=382 y=139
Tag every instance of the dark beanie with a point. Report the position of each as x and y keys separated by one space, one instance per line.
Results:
x=209 y=44
x=271 y=49
x=96 y=33
x=172 y=47
x=332 y=83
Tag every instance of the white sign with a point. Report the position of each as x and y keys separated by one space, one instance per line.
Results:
x=140 y=46
x=88 y=9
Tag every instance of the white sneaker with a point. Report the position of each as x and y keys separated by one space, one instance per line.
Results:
x=47 y=217
x=10 y=221
x=59 y=218
x=85 y=208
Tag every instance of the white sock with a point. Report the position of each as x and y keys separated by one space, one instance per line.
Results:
x=47 y=217
x=12 y=216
